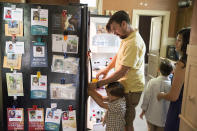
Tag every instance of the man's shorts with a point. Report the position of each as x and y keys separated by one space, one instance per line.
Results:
x=152 y=127
x=132 y=100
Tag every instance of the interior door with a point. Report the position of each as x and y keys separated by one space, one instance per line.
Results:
x=188 y=116
x=154 y=47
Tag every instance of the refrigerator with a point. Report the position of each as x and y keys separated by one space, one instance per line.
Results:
x=65 y=23
x=103 y=47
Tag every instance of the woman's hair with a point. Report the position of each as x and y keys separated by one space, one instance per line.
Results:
x=185 y=33
x=117 y=89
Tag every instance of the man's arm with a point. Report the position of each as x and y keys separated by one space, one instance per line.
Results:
x=112 y=64
x=119 y=73
x=98 y=98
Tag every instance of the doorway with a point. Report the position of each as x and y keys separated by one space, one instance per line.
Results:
x=144 y=30
x=165 y=26
x=155 y=34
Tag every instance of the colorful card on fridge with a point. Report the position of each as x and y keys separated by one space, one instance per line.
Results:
x=13 y=27
x=12 y=61
x=14 y=84
x=15 y=48
x=65 y=65
x=13 y=21
x=70 y=45
x=35 y=119
x=52 y=119
x=58 y=43
x=69 y=121
x=71 y=65
x=39 y=54
x=38 y=87
x=15 y=118
x=62 y=91
x=39 y=21
x=71 y=22
x=58 y=64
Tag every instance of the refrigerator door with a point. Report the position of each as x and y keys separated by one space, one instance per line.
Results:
x=71 y=23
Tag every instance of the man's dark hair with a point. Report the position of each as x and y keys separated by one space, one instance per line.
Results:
x=119 y=16
x=108 y=28
x=117 y=89
x=165 y=67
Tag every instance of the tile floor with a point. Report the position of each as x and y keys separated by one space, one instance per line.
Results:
x=139 y=124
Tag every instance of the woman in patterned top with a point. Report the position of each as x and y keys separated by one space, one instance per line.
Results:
x=116 y=106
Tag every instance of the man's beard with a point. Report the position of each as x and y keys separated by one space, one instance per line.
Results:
x=123 y=37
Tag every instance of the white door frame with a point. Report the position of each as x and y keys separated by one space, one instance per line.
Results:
x=165 y=27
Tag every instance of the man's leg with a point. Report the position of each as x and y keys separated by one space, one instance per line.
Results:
x=160 y=128
x=132 y=100
x=151 y=127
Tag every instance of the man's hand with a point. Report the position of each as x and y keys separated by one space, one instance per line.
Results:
x=103 y=72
